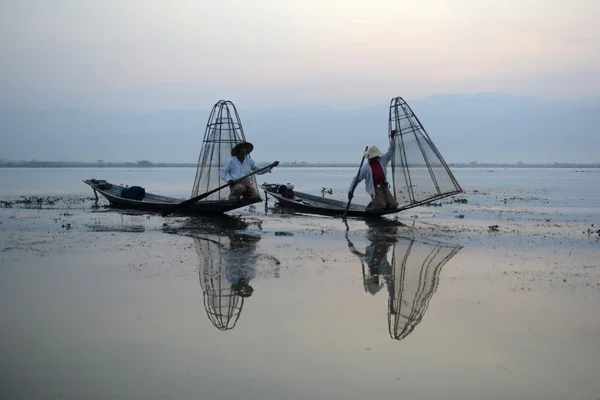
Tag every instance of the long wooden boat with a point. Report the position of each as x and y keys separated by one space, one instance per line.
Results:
x=310 y=204
x=154 y=202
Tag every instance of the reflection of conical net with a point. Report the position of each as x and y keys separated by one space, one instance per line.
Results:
x=223 y=131
x=416 y=268
x=223 y=306
x=419 y=172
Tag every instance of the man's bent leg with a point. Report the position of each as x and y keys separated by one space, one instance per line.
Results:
x=250 y=193
x=390 y=202
x=237 y=191
x=378 y=202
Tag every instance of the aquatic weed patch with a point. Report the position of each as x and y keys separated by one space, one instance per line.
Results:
x=46 y=202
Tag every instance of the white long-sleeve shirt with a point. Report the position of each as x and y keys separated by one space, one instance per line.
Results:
x=366 y=173
x=234 y=169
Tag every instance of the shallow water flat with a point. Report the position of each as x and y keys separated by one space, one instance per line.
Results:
x=100 y=303
x=125 y=314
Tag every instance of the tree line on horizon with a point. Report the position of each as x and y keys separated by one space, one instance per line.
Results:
x=148 y=164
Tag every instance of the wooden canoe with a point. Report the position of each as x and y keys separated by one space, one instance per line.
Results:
x=157 y=203
x=310 y=204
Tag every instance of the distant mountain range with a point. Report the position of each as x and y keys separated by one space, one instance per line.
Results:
x=486 y=127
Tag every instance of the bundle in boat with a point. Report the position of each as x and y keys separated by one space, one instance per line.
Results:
x=420 y=174
x=223 y=131
x=416 y=267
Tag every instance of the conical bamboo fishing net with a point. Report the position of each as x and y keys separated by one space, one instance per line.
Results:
x=416 y=268
x=420 y=174
x=223 y=131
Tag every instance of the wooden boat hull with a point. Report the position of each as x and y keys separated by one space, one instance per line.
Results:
x=157 y=203
x=307 y=203
x=310 y=204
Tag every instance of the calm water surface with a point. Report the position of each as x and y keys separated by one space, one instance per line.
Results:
x=103 y=310
x=564 y=187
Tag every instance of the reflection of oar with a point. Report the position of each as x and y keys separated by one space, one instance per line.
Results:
x=351 y=194
x=186 y=203
x=353 y=250
x=359 y=255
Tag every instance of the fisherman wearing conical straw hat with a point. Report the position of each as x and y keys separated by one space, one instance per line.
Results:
x=374 y=174
x=237 y=166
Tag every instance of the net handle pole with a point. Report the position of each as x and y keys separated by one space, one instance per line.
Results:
x=185 y=203
x=351 y=193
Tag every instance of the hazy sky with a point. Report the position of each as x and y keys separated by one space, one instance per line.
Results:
x=149 y=54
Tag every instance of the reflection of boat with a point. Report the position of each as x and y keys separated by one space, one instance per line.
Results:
x=153 y=202
x=419 y=173
x=214 y=225
x=411 y=277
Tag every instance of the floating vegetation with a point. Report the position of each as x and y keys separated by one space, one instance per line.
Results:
x=28 y=200
x=325 y=191
x=592 y=231
x=441 y=203
x=44 y=202
x=434 y=204
x=117 y=228
x=530 y=198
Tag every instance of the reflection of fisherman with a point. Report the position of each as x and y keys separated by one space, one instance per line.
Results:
x=225 y=273
x=228 y=263
x=411 y=278
x=241 y=263
x=375 y=257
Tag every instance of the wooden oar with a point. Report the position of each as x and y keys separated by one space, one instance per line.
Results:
x=351 y=194
x=186 y=203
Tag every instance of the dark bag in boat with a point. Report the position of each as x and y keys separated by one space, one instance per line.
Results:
x=133 y=193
